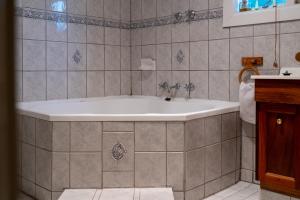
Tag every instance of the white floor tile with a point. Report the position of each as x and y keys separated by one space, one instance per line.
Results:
x=136 y=194
x=78 y=194
x=117 y=194
x=97 y=195
x=254 y=196
x=268 y=195
x=248 y=191
x=214 y=197
x=156 y=194
x=226 y=193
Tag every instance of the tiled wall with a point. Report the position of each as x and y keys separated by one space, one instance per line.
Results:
x=196 y=158
x=212 y=54
x=46 y=68
x=110 y=57
x=68 y=57
x=248 y=164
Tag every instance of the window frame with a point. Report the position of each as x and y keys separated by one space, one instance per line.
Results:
x=233 y=18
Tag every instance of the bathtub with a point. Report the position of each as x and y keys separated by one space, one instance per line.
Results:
x=126 y=108
x=193 y=145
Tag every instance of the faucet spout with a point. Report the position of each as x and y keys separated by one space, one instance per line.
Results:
x=166 y=87
x=176 y=86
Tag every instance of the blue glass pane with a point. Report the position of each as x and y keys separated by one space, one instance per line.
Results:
x=265 y=3
x=252 y=4
x=281 y=2
x=58 y=6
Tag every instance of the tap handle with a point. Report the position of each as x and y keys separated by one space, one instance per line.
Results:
x=189 y=87
x=164 y=85
x=177 y=86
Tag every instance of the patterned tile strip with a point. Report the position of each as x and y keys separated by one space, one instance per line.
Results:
x=184 y=17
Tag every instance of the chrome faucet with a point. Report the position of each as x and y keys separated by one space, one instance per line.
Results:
x=176 y=86
x=189 y=87
x=165 y=86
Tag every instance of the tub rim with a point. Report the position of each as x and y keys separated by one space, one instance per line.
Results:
x=23 y=108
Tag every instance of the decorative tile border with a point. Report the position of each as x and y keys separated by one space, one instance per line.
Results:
x=63 y=17
x=182 y=17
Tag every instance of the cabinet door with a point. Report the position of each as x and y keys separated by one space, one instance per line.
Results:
x=279 y=129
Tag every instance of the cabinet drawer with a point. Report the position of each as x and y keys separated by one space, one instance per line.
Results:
x=278 y=91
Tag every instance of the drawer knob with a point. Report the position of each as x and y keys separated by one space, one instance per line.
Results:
x=279 y=121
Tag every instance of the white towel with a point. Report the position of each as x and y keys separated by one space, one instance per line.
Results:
x=247 y=102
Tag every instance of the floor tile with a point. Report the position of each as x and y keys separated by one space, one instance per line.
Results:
x=78 y=194
x=117 y=194
x=247 y=191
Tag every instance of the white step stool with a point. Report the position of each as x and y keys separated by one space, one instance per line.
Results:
x=118 y=194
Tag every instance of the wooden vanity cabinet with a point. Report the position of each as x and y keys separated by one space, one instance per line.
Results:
x=278 y=135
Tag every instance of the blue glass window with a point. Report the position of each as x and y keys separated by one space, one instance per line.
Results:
x=261 y=4
x=265 y=3
x=281 y=2
x=58 y=6
x=252 y=4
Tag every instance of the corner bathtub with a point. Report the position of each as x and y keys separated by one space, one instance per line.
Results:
x=126 y=108
x=190 y=145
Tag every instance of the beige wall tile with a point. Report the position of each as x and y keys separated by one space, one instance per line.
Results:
x=175 y=171
x=85 y=170
x=150 y=169
x=118 y=179
x=86 y=136
x=195 y=168
x=150 y=136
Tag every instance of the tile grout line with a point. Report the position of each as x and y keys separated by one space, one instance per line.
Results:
x=86 y=53
x=22 y=73
x=102 y=153
x=67 y=38
x=46 y=61
x=134 y=156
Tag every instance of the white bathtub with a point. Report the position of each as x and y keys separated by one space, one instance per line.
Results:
x=125 y=108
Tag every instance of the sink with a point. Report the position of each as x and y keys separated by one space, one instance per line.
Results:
x=294 y=71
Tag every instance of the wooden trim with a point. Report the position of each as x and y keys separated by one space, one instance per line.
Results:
x=261 y=144
x=297 y=153
x=280 y=180
x=7 y=103
x=257 y=142
x=252 y=61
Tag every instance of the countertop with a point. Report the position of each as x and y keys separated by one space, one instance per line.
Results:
x=275 y=77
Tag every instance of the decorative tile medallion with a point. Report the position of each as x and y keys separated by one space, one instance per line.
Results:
x=77 y=56
x=180 y=56
x=118 y=151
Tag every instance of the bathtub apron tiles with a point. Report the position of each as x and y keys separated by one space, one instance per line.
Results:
x=197 y=158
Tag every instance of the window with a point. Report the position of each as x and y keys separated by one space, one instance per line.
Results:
x=244 y=12
x=249 y=5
